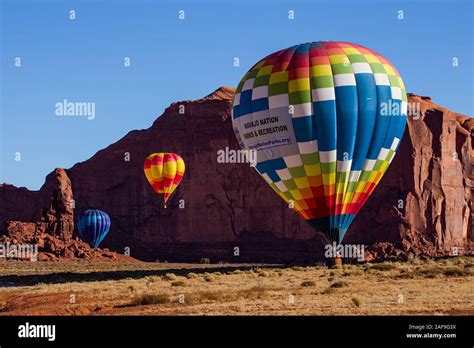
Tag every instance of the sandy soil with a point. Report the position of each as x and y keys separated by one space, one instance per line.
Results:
x=84 y=288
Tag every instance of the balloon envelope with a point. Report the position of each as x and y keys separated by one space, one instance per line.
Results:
x=326 y=119
x=164 y=171
x=93 y=226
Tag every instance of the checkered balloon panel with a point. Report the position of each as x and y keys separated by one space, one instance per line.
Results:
x=325 y=119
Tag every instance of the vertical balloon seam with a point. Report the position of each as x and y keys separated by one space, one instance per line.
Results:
x=343 y=176
x=286 y=195
x=324 y=115
x=167 y=173
x=95 y=227
x=395 y=121
x=175 y=174
x=285 y=66
x=385 y=136
x=387 y=139
x=312 y=125
x=347 y=216
x=372 y=142
x=276 y=152
x=100 y=227
x=90 y=225
x=252 y=119
x=361 y=184
x=159 y=170
x=163 y=176
x=180 y=171
x=333 y=175
x=315 y=130
x=107 y=223
x=345 y=193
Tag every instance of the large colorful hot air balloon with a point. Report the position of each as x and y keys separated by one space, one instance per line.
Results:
x=93 y=226
x=326 y=119
x=164 y=171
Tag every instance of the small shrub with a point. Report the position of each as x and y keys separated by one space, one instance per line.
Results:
x=298 y=268
x=263 y=274
x=430 y=272
x=148 y=299
x=357 y=301
x=210 y=296
x=191 y=275
x=308 y=283
x=237 y=271
x=339 y=284
x=178 y=283
x=205 y=261
x=170 y=276
x=454 y=272
x=208 y=278
x=415 y=261
x=384 y=266
x=328 y=291
x=352 y=273
x=255 y=292
x=405 y=275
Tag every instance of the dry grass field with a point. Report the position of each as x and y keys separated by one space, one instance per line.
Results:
x=82 y=288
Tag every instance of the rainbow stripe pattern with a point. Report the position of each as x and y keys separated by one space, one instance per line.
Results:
x=326 y=119
x=164 y=172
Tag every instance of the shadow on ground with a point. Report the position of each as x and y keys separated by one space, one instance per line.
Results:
x=67 y=277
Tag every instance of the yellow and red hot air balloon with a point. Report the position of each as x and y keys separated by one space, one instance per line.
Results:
x=164 y=171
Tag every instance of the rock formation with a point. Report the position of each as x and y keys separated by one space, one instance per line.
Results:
x=59 y=218
x=422 y=206
x=53 y=234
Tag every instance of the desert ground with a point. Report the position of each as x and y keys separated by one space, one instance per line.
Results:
x=433 y=287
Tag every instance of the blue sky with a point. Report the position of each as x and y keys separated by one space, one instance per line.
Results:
x=172 y=59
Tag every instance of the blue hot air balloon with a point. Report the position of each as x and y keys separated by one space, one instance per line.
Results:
x=93 y=226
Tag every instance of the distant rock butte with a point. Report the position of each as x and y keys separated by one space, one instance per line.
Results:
x=422 y=206
x=53 y=234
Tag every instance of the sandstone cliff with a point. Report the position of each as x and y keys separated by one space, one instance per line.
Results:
x=422 y=206
x=51 y=238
